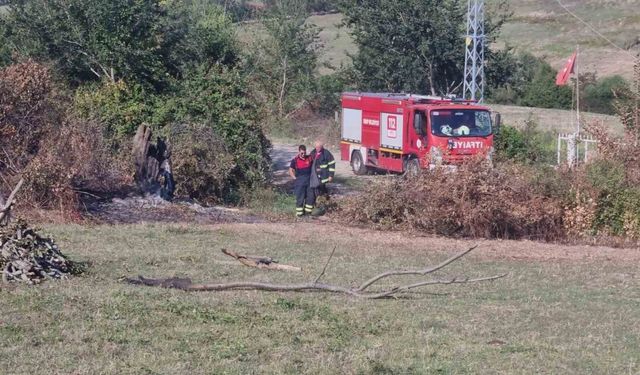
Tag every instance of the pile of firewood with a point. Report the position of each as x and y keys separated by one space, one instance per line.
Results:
x=27 y=256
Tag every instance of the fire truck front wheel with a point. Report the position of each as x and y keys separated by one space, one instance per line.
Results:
x=412 y=167
x=357 y=163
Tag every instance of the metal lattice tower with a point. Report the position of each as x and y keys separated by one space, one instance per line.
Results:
x=474 y=59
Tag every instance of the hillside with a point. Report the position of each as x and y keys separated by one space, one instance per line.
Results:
x=542 y=28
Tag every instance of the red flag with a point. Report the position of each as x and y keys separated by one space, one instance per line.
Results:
x=563 y=76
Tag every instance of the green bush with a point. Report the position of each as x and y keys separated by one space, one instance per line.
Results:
x=543 y=92
x=524 y=146
x=121 y=107
x=218 y=98
x=202 y=165
x=328 y=92
x=283 y=60
x=600 y=96
x=617 y=201
x=525 y=80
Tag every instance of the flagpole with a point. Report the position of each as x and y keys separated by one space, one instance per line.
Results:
x=578 y=89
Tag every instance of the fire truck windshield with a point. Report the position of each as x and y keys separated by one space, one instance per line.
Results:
x=460 y=123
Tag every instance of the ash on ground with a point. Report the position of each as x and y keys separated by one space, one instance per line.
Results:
x=152 y=208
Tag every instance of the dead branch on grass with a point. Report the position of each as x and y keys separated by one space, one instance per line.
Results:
x=324 y=269
x=423 y=272
x=260 y=262
x=361 y=292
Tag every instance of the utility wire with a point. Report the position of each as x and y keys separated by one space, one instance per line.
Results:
x=592 y=28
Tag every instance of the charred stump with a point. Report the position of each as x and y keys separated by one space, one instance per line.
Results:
x=153 y=164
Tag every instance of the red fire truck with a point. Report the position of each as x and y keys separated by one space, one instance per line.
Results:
x=404 y=132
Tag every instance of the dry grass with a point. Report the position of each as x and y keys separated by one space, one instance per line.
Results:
x=575 y=316
x=554 y=120
x=336 y=42
x=545 y=29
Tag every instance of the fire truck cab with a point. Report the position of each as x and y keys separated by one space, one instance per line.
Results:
x=405 y=132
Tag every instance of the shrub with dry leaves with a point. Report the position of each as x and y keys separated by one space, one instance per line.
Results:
x=475 y=201
x=40 y=141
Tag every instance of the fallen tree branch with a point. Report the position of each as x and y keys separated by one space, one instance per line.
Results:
x=187 y=285
x=361 y=292
x=260 y=262
x=423 y=272
x=5 y=207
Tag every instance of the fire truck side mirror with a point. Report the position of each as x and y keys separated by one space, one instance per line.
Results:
x=420 y=123
x=497 y=122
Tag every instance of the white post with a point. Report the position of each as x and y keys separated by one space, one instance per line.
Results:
x=559 y=146
x=571 y=150
x=586 y=150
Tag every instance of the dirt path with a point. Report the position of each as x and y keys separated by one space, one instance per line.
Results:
x=346 y=182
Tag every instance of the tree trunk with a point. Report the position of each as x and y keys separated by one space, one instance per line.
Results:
x=152 y=162
x=433 y=88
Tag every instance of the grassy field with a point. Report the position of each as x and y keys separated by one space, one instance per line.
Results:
x=336 y=43
x=562 y=309
x=553 y=120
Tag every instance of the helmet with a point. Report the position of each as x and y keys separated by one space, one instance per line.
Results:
x=463 y=130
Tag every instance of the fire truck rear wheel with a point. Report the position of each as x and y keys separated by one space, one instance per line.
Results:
x=412 y=167
x=358 y=164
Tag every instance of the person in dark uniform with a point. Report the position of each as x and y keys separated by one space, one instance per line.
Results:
x=300 y=171
x=324 y=170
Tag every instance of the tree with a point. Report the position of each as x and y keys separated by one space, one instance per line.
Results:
x=95 y=39
x=285 y=59
x=600 y=96
x=414 y=45
x=204 y=34
x=542 y=90
x=527 y=80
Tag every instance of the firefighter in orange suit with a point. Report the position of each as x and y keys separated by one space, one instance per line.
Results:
x=300 y=171
x=323 y=172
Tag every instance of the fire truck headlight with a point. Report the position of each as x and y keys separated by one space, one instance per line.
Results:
x=436 y=155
